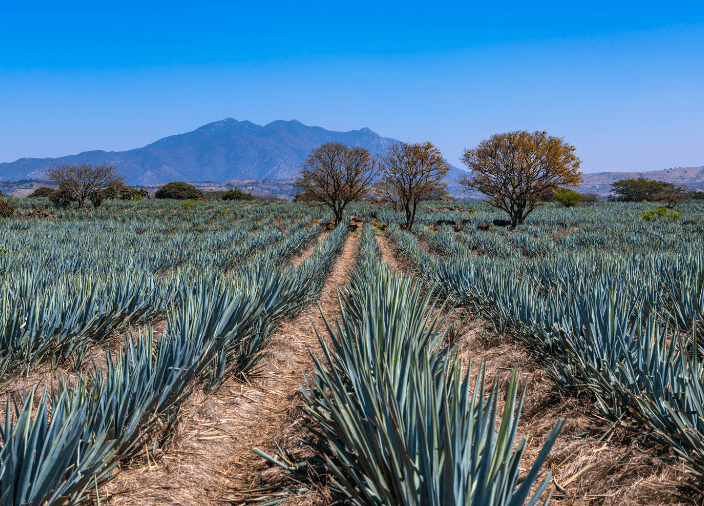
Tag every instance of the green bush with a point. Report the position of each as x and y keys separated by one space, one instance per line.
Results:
x=178 y=191
x=637 y=190
x=663 y=212
x=189 y=205
x=237 y=195
x=44 y=191
x=568 y=198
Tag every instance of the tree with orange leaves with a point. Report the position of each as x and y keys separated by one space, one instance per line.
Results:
x=412 y=173
x=514 y=169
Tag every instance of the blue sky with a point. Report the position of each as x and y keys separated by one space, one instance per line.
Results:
x=622 y=81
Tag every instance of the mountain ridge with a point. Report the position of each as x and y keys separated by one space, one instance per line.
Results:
x=219 y=151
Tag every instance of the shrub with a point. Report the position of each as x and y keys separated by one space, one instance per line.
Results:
x=7 y=209
x=663 y=212
x=590 y=198
x=237 y=195
x=63 y=197
x=96 y=198
x=178 y=191
x=128 y=193
x=568 y=198
x=189 y=204
x=44 y=191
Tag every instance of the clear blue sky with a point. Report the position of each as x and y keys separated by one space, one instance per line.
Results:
x=621 y=80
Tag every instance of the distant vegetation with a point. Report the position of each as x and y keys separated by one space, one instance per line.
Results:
x=236 y=195
x=41 y=192
x=568 y=198
x=649 y=190
x=178 y=191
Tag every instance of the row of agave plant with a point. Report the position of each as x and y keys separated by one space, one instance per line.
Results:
x=549 y=229
x=62 y=451
x=625 y=327
x=45 y=316
x=153 y=244
x=400 y=422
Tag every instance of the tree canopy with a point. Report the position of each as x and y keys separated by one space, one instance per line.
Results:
x=233 y=194
x=637 y=190
x=516 y=169
x=179 y=191
x=412 y=173
x=335 y=175
x=568 y=198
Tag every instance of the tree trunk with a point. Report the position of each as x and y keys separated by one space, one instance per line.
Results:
x=409 y=218
x=413 y=217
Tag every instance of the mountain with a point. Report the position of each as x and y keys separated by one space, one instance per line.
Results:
x=220 y=151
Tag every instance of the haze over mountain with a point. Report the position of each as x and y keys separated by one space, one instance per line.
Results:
x=220 y=151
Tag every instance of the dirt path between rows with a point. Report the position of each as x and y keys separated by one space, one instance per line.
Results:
x=389 y=255
x=297 y=260
x=212 y=456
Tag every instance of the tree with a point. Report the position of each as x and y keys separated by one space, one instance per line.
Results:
x=412 y=173
x=672 y=195
x=637 y=190
x=696 y=195
x=568 y=198
x=232 y=194
x=82 y=181
x=515 y=169
x=590 y=198
x=335 y=175
x=178 y=191
x=41 y=192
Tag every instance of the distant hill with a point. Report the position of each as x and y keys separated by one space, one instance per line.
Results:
x=220 y=151
x=600 y=182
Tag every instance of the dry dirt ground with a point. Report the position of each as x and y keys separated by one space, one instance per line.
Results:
x=211 y=457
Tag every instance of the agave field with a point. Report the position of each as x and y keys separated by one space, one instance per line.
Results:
x=111 y=319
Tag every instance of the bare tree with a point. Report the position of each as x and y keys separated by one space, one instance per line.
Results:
x=335 y=175
x=83 y=181
x=516 y=169
x=412 y=173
